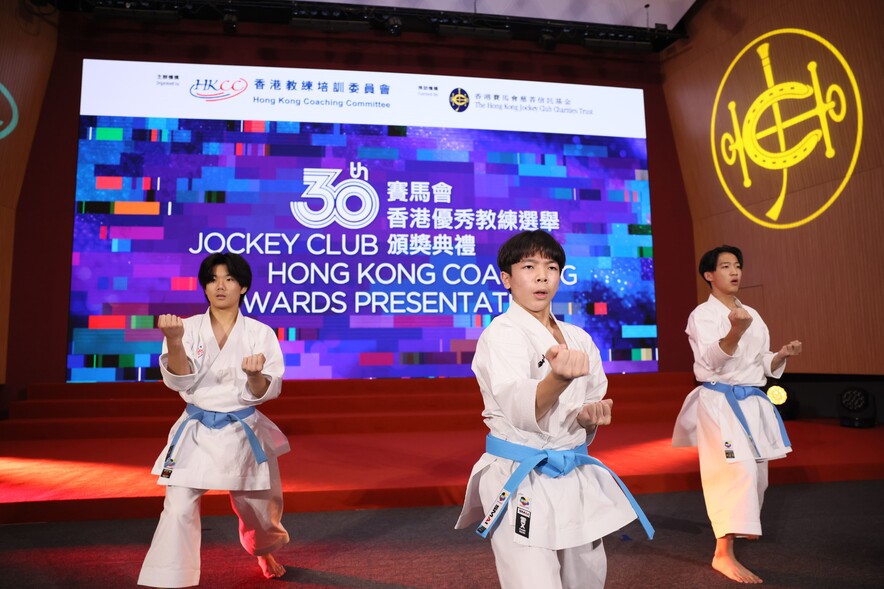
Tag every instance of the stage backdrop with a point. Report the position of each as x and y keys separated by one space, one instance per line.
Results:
x=370 y=206
x=42 y=270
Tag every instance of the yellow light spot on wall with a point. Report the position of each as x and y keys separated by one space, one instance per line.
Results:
x=746 y=142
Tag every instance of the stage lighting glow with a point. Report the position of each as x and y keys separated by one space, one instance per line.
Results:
x=783 y=399
x=47 y=479
x=777 y=395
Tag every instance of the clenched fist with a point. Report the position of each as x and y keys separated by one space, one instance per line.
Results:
x=567 y=364
x=172 y=327
x=594 y=414
x=740 y=320
x=253 y=365
x=793 y=348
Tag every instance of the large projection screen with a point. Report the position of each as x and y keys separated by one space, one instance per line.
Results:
x=370 y=206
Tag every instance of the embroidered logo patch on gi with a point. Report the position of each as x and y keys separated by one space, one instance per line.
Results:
x=523 y=521
x=524 y=502
x=168 y=465
x=495 y=512
x=728 y=453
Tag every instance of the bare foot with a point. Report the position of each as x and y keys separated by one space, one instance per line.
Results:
x=270 y=568
x=732 y=569
x=727 y=564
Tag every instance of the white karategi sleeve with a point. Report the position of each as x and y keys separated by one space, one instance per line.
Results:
x=274 y=366
x=500 y=365
x=181 y=382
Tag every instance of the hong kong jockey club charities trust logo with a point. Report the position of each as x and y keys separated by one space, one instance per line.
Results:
x=213 y=90
x=786 y=128
x=459 y=99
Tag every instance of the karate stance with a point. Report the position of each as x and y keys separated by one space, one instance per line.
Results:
x=543 y=386
x=222 y=364
x=736 y=428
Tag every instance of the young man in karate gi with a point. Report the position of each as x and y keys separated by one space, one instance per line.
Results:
x=543 y=386
x=736 y=428
x=223 y=365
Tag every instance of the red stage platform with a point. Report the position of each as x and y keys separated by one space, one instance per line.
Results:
x=84 y=451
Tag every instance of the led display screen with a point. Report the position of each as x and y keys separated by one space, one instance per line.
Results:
x=369 y=205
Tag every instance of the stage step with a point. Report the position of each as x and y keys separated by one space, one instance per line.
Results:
x=355 y=445
x=152 y=390
x=318 y=423
x=44 y=480
x=172 y=405
x=127 y=410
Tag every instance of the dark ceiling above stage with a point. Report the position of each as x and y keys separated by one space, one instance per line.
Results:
x=640 y=25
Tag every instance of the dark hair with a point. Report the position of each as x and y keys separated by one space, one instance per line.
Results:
x=528 y=243
x=709 y=261
x=236 y=267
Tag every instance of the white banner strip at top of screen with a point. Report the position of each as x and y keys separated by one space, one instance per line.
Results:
x=232 y=92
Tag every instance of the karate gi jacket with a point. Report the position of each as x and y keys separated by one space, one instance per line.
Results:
x=749 y=366
x=573 y=510
x=207 y=458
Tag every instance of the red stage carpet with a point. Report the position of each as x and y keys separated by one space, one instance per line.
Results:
x=83 y=452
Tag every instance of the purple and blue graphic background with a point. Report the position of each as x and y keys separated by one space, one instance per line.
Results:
x=151 y=190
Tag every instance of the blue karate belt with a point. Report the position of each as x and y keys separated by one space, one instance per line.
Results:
x=553 y=463
x=734 y=393
x=218 y=420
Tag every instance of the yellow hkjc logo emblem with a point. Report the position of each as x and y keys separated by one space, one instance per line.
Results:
x=786 y=128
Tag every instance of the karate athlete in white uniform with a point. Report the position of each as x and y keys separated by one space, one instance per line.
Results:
x=732 y=358
x=222 y=364
x=543 y=500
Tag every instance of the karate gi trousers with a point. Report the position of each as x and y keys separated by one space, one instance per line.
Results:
x=733 y=491
x=174 y=556
x=533 y=567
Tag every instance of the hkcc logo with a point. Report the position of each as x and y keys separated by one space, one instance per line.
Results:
x=215 y=90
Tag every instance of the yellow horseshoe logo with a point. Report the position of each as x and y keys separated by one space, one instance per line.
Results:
x=786 y=158
x=780 y=125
